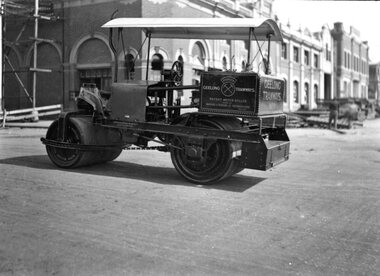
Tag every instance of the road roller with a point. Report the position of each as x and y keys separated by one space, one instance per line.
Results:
x=232 y=121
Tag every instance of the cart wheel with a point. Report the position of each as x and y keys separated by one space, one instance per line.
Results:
x=213 y=160
x=64 y=158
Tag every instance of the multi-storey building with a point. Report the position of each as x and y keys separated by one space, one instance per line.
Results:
x=306 y=64
x=320 y=65
x=77 y=50
x=374 y=82
x=351 y=63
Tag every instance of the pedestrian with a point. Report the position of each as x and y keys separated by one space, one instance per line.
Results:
x=334 y=111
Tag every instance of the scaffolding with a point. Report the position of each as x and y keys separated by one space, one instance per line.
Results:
x=29 y=11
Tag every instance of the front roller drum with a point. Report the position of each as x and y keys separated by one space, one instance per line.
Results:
x=77 y=132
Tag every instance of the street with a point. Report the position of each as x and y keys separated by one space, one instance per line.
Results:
x=317 y=214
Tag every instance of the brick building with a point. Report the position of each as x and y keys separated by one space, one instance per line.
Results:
x=374 y=81
x=351 y=63
x=78 y=49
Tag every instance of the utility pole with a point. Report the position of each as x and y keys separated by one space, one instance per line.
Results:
x=2 y=9
x=36 y=8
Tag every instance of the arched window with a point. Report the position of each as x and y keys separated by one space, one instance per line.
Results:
x=49 y=85
x=129 y=67
x=12 y=95
x=157 y=62
x=224 y=62
x=307 y=92
x=199 y=54
x=316 y=95
x=295 y=91
x=94 y=59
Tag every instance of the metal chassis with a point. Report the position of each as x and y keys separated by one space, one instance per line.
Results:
x=248 y=135
x=139 y=129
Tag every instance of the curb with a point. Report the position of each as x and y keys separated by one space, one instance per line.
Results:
x=43 y=125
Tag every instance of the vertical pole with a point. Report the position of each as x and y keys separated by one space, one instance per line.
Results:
x=230 y=53
x=249 y=50
x=2 y=67
x=147 y=59
x=63 y=55
x=267 y=68
x=36 y=5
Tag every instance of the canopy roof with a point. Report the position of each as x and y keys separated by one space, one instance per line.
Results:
x=201 y=28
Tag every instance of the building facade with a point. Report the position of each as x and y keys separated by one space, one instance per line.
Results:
x=351 y=64
x=374 y=82
x=77 y=51
x=305 y=62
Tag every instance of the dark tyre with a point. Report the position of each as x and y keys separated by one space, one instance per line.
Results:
x=214 y=160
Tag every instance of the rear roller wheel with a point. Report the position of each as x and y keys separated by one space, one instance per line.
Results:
x=209 y=160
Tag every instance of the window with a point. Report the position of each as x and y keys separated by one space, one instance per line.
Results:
x=306 y=98
x=102 y=77
x=296 y=54
x=199 y=54
x=295 y=91
x=285 y=91
x=327 y=53
x=306 y=57
x=284 y=52
x=345 y=59
x=316 y=61
x=358 y=64
x=362 y=66
x=157 y=62
x=224 y=61
x=316 y=96
x=129 y=67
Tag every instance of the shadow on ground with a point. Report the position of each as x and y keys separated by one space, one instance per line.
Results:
x=161 y=175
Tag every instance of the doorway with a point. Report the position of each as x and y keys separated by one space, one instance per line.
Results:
x=327 y=87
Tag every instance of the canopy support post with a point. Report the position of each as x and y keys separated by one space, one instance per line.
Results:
x=249 y=50
x=147 y=59
x=114 y=50
x=267 y=67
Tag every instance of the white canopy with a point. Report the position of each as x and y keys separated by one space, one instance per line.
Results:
x=201 y=28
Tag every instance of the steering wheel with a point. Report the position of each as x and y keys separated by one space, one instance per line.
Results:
x=176 y=73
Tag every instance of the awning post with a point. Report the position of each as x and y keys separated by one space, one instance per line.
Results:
x=147 y=58
x=249 y=49
x=267 y=67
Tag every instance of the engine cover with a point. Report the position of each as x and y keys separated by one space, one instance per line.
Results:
x=128 y=100
x=246 y=94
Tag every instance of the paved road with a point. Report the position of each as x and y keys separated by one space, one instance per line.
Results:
x=317 y=214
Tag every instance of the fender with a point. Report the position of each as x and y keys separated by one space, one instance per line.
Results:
x=93 y=99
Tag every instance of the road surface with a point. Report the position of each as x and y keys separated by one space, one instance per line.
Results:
x=317 y=214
